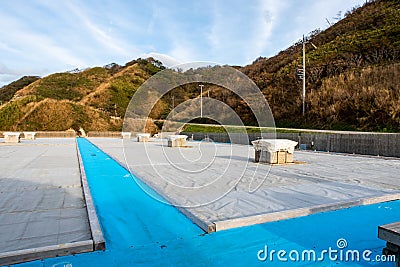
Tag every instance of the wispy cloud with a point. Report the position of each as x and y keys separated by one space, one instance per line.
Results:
x=31 y=44
x=96 y=30
x=269 y=15
x=6 y=47
x=236 y=38
x=180 y=41
x=167 y=60
x=61 y=35
x=8 y=74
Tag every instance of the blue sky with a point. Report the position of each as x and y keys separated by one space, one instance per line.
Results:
x=39 y=37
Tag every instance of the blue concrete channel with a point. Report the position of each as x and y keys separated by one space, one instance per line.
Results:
x=128 y=216
x=141 y=231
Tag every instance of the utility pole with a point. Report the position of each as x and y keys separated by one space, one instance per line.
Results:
x=201 y=100
x=301 y=73
x=173 y=104
x=304 y=76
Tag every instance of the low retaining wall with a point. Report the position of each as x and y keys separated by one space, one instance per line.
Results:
x=235 y=138
x=387 y=145
x=50 y=134
x=377 y=144
x=70 y=134
x=59 y=134
x=104 y=134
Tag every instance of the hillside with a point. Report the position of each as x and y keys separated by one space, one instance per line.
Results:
x=7 y=92
x=94 y=99
x=352 y=77
x=352 y=83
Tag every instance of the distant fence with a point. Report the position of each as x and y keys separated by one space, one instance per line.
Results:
x=108 y=134
x=235 y=138
x=378 y=144
x=56 y=134
x=69 y=134
x=49 y=134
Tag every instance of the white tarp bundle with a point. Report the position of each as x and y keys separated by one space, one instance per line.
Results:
x=177 y=136
x=143 y=135
x=11 y=137
x=274 y=145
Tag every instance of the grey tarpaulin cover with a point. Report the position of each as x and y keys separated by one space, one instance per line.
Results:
x=41 y=201
x=214 y=186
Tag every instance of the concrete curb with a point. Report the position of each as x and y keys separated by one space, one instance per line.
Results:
x=288 y=214
x=24 y=255
x=97 y=234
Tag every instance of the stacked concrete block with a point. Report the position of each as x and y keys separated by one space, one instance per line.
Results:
x=143 y=137
x=30 y=135
x=126 y=135
x=177 y=140
x=12 y=137
x=274 y=151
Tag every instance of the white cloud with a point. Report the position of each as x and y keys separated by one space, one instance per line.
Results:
x=8 y=75
x=31 y=45
x=58 y=36
x=6 y=47
x=50 y=51
x=183 y=51
x=266 y=21
x=179 y=43
x=167 y=60
x=96 y=31
x=4 y=69
x=240 y=32
x=6 y=79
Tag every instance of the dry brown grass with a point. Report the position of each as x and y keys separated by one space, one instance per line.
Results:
x=52 y=115
x=369 y=98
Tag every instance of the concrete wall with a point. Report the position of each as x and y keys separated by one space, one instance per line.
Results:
x=355 y=143
x=367 y=144
x=69 y=134
x=54 y=134
x=382 y=144
x=235 y=138
x=104 y=134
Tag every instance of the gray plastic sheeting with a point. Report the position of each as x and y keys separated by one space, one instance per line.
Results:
x=323 y=181
x=41 y=201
